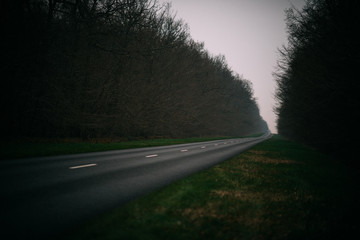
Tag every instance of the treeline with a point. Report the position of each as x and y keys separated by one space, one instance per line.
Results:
x=114 y=68
x=318 y=80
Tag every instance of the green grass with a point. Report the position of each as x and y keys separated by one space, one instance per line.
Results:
x=277 y=190
x=38 y=148
x=23 y=148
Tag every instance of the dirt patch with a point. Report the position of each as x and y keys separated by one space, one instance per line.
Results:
x=208 y=211
x=252 y=196
x=260 y=156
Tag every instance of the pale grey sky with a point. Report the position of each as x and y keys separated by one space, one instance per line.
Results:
x=247 y=32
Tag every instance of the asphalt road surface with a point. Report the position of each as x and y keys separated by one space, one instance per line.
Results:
x=43 y=197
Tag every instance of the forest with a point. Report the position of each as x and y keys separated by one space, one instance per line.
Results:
x=317 y=77
x=114 y=68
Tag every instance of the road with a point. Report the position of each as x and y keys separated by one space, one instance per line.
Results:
x=42 y=197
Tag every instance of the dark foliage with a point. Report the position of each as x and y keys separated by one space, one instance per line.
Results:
x=318 y=84
x=106 y=68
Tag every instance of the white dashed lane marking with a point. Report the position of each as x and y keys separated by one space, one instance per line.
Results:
x=83 y=166
x=151 y=156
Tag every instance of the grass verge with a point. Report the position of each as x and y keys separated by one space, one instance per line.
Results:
x=39 y=148
x=277 y=190
x=48 y=147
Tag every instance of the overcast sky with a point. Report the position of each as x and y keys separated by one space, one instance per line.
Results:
x=247 y=32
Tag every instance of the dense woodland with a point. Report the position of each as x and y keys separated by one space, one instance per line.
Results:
x=318 y=80
x=114 y=68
